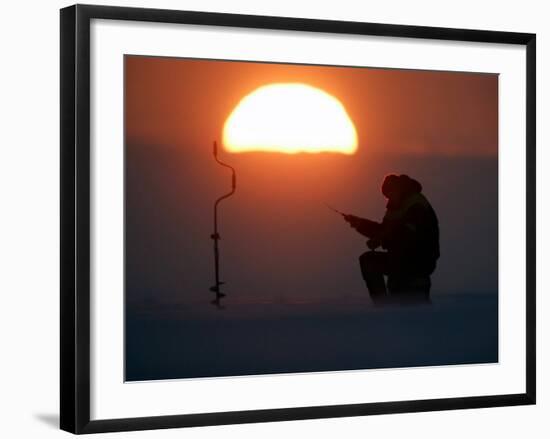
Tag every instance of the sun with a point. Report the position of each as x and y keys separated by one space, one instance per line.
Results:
x=289 y=118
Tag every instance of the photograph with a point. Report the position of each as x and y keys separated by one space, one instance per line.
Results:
x=295 y=218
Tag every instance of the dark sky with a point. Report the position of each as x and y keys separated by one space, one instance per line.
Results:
x=279 y=242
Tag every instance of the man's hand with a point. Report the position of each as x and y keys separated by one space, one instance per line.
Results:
x=373 y=243
x=364 y=226
x=352 y=220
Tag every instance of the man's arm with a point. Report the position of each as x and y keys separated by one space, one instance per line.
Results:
x=366 y=227
x=404 y=233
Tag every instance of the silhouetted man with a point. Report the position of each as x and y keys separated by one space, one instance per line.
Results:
x=409 y=233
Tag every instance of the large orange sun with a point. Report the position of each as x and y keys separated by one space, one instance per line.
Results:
x=290 y=118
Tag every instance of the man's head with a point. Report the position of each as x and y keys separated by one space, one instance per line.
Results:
x=395 y=187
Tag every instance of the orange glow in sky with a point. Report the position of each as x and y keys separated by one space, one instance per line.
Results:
x=290 y=118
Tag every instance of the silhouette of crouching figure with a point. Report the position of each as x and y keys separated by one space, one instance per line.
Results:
x=409 y=233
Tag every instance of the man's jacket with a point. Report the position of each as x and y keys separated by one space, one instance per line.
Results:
x=409 y=232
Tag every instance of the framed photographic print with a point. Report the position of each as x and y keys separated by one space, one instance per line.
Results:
x=274 y=218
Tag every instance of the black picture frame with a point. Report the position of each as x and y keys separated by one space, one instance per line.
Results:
x=75 y=217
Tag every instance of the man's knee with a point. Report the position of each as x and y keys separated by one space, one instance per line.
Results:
x=371 y=262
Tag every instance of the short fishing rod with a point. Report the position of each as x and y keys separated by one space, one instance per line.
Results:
x=345 y=215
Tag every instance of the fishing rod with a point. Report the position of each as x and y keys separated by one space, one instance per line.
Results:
x=216 y=236
x=345 y=215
